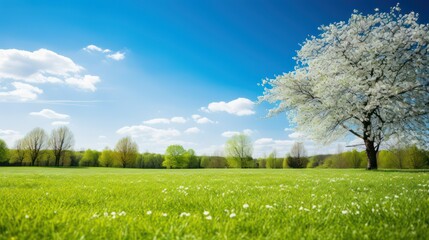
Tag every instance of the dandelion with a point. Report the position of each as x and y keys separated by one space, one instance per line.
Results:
x=232 y=215
x=149 y=212
x=268 y=206
x=95 y=215
x=113 y=213
x=206 y=213
x=164 y=214
x=122 y=213
x=209 y=217
x=27 y=217
x=344 y=212
x=106 y=214
x=245 y=205
x=357 y=212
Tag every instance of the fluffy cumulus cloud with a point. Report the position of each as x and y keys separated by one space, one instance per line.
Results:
x=202 y=120
x=178 y=120
x=192 y=130
x=50 y=114
x=150 y=132
x=297 y=136
x=264 y=146
x=37 y=67
x=239 y=107
x=117 y=56
x=165 y=120
x=10 y=136
x=228 y=134
x=154 y=139
x=22 y=92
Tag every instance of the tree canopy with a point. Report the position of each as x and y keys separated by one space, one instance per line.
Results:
x=239 y=149
x=368 y=77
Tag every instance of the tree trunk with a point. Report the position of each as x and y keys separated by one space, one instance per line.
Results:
x=371 y=153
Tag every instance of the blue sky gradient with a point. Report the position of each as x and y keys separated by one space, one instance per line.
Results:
x=179 y=56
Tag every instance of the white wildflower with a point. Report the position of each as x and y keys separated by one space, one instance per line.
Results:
x=232 y=215
x=245 y=205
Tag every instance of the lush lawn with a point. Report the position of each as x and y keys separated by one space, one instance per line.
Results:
x=50 y=203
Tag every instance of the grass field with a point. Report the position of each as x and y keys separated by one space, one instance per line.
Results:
x=102 y=203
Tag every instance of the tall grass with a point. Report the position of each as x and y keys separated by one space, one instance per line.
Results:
x=102 y=203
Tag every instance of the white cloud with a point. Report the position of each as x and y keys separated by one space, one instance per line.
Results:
x=10 y=136
x=92 y=48
x=60 y=123
x=157 y=121
x=266 y=145
x=42 y=66
x=297 y=135
x=288 y=129
x=102 y=137
x=51 y=114
x=87 y=82
x=239 y=107
x=152 y=133
x=165 y=120
x=204 y=120
x=201 y=120
x=229 y=134
x=117 y=56
x=23 y=92
x=178 y=120
x=192 y=130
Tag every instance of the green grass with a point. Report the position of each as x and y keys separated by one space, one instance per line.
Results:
x=54 y=203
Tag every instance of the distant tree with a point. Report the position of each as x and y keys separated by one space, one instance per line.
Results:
x=175 y=157
x=127 y=151
x=89 y=158
x=152 y=160
x=416 y=157
x=106 y=158
x=367 y=76
x=60 y=141
x=397 y=148
x=271 y=160
x=18 y=154
x=4 y=153
x=239 y=149
x=193 y=161
x=355 y=158
x=298 y=156
x=33 y=143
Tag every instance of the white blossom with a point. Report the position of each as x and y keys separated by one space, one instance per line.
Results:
x=368 y=77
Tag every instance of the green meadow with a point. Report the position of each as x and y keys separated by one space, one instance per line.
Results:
x=112 y=203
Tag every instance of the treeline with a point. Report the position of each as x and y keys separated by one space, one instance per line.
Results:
x=40 y=149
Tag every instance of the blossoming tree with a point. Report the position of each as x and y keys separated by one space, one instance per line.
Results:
x=368 y=77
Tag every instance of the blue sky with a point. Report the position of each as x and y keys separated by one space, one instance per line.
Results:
x=107 y=69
